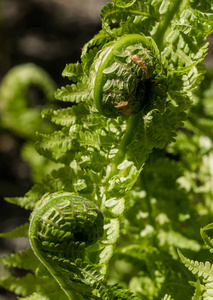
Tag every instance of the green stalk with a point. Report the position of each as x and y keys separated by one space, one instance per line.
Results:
x=176 y=7
x=127 y=138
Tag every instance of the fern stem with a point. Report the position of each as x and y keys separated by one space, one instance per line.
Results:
x=58 y=276
x=141 y=13
x=176 y=7
x=127 y=138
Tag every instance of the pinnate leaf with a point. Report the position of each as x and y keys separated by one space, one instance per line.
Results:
x=73 y=93
x=24 y=260
x=21 y=231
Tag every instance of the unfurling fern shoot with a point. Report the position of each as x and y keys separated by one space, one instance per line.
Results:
x=123 y=74
x=61 y=226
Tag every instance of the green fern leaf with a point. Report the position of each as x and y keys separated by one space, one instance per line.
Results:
x=120 y=293
x=138 y=12
x=23 y=202
x=203 y=270
x=111 y=13
x=110 y=236
x=89 y=56
x=16 y=113
x=21 y=231
x=30 y=286
x=208 y=293
x=91 y=48
x=53 y=182
x=208 y=241
x=67 y=116
x=186 y=43
x=191 y=27
x=73 y=71
x=65 y=178
x=198 y=291
x=23 y=286
x=93 y=278
x=24 y=260
x=58 y=146
x=175 y=239
x=73 y=93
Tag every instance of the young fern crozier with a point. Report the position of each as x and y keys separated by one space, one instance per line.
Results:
x=61 y=227
x=19 y=110
x=123 y=74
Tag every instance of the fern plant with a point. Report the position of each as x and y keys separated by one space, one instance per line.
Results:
x=107 y=222
x=202 y=269
x=20 y=110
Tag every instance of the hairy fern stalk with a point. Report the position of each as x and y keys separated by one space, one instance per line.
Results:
x=126 y=183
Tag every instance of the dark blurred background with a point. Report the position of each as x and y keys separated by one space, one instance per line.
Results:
x=49 y=33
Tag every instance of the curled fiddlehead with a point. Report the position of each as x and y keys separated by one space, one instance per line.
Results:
x=62 y=225
x=20 y=90
x=123 y=74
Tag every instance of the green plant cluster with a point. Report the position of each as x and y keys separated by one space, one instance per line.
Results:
x=150 y=174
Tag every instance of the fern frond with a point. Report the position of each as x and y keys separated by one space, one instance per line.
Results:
x=186 y=43
x=31 y=286
x=57 y=146
x=67 y=116
x=89 y=57
x=24 y=202
x=191 y=27
x=65 y=178
x=111 y=234
x=91 y=277
x=120 y=293
x=83 y=279
x=16 y=113
x=73 y=93
x=177 y=240
x=24 y=260
x=203 y=270
x=139 y=13
x=62 y=146
x=52 y=183
x=21 y=231
x=111 y=13
x=208 y=241
x=91 y=48
x=23 y=286
x=198 y=291
x=103 y=158
x=74 y=72
x=208 y=293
